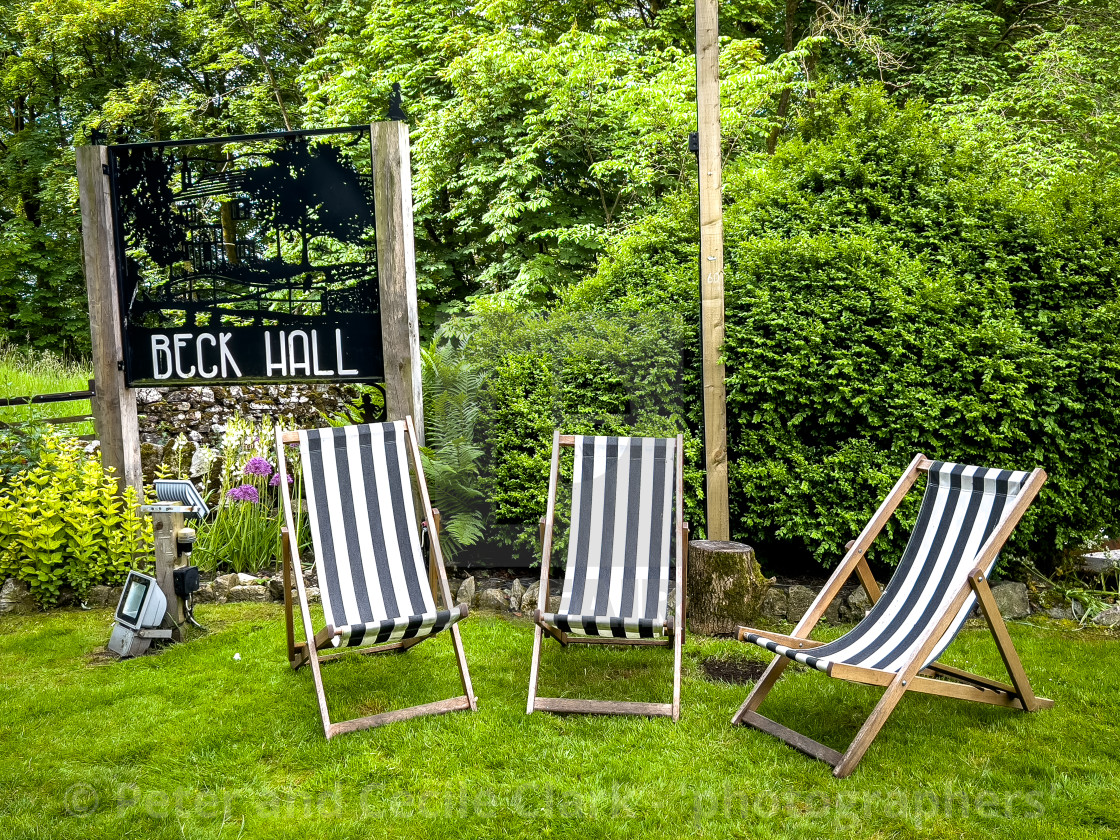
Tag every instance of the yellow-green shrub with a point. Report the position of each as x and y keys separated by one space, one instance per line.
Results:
x=64 y=523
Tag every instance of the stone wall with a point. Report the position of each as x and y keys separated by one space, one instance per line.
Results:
x=201 y=413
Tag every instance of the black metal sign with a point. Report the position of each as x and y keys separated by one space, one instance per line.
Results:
x=248 y=259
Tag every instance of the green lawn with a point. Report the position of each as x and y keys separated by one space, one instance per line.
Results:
x=191 y=743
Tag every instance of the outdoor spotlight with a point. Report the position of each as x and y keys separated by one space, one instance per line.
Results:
x=139 y=614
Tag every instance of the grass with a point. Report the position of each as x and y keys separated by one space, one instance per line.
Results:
x=26 y=373
x=191 y=743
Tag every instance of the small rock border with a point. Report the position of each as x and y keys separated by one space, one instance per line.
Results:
x=519 y=596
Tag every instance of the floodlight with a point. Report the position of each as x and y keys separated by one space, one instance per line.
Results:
x=139 y=614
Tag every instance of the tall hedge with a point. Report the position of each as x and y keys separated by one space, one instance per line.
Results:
x=890 y=289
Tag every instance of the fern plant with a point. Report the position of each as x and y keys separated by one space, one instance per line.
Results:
x=451 y=456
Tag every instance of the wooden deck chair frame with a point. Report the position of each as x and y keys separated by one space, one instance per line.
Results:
x=561 y=705
x=942 y=680
x=308 y=651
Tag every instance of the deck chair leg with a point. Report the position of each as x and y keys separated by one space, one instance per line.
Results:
x=464 y=674
x=870 y=729
x=534 y=670
x=289 y=619
x=761 y=689
x=1007 y=651
x=678 y=644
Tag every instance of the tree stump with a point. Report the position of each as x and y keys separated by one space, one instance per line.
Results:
x=725 y=586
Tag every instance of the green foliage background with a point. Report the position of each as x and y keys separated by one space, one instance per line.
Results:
x=920 y=200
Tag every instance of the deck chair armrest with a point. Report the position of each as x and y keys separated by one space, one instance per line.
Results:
x=795 y=642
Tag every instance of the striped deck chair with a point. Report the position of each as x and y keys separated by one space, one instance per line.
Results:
x=966 y=516
x=376 y=593
x=627 y=522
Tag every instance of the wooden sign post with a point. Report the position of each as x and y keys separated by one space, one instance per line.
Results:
x=711 y=268
x=114 y=404
x=396 y=272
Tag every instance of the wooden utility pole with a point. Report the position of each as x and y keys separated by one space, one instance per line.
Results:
x=396 y=272
x=114 y=405
x=711 y=267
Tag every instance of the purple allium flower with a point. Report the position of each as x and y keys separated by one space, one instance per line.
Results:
x=244 y=493
x=275 y=480
x=258 y=466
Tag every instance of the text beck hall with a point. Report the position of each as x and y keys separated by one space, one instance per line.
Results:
x=263 y=353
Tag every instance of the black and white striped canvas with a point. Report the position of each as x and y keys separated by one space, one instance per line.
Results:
x=372 y=575
x=616 y=582
x=961 y=508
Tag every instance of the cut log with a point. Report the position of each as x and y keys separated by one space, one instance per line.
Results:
x=725 y=587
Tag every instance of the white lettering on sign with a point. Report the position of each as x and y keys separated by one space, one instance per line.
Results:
x=338 y=347
x=269 y=365
x=315 y=356
x=204 y=372
x=288 y=354
x=227 y=356
x=180 y=341
x=302 y=362
x=161 y=352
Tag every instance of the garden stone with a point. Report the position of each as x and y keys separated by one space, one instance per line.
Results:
x=832 y=611
x=202 y=460
x=516 y=594
x=1109 y=618
x=1011 y=598
x=206 y=594
x=493 y=599
x=98 y=596
x=16 y=598
x=224 y=583
x=150 y=457
x=1070 y=612
x=800 y=599
x=529 y=599
x=313 y=596
x=856 y=607
x=775 y=605
x=465 y=594
x=553 y=603
x=483 y=584
x=276 y=587
x=253 y=593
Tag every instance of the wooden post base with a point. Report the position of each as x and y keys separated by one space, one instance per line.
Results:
x=725 y=587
